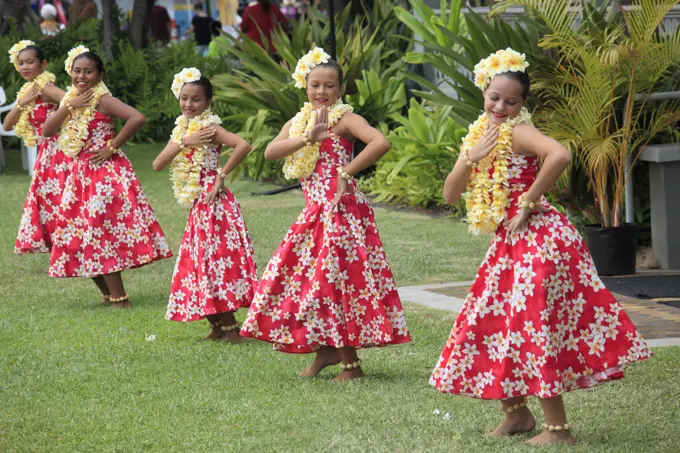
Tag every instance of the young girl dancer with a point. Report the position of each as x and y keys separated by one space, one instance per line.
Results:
x=215 y=274
x=36 y=99
x=537 y=321
x=328 y=288
x=105 y=222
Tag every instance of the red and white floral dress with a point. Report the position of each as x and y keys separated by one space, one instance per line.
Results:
x=105 y=222
x=328 y=283
x=537 y=320
x=52 y=166
x=215 y=270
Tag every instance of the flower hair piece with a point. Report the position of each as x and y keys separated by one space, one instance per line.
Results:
x=314 y=57
x=185 y=76
x=72 y=55
x=16 y=50
x=507 y=60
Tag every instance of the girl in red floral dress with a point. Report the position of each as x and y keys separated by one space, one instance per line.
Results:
x=105 y=223
x=328 y=288
x=35 y=101
x=537 y=320
x=215 y=274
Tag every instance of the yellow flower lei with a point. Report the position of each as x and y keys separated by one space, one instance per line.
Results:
x=74 y=132
x=24 y=128
x=301 y=163
x=185 y=172
x=487 y=194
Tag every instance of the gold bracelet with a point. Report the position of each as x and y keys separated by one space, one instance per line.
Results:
x=113 y=150
x=525 y=204
x=343 y=174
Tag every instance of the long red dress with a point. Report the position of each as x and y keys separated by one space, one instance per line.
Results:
x=215 y=270
x=328 y=283
x=105 y=222
x=38 y=220
x=537 y=320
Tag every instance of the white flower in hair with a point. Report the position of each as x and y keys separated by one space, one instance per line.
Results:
x=305 y=65
x=72 y=55
x=507 y=60
x=16 y=50
x=186 y=75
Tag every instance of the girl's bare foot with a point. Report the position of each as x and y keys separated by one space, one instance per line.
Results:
x=106 y=300
x=348 y=375
x=324 y=358
x=546 y=437
x=232 y=336
x=518 y=419
x=215 y=332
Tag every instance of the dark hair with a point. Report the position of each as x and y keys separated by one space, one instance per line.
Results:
x=522 y=78
x=198 y=6
x=92 y=57
x=206 y=85
x=216 y=28
x=333 y=65
x=38 y=52
x=266 y=6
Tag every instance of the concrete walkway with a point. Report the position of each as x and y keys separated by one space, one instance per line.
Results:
x=659 y=324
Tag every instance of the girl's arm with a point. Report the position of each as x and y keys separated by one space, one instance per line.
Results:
x=166 y=156
x=56 y=119
x=283 y=145
x=376 y=143
x=114 y=108
x=528 y=139
x=14 y=114
x=241 y=148
x=172 y=149
x=53 y=93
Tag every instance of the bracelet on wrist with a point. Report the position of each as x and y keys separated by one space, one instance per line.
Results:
x=111 y=147
x=344 y=175
x=526 y=204
x=465 y=158
x=68 y=106
x=221 y=173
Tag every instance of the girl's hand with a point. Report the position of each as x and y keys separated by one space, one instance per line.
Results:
x=517 y=223
x=30 y=96
x=202 y=137
x=82 y=99
x=320 y=131
x=343 y=189
x=216 y=191
x=101 y=155
x=485 y=145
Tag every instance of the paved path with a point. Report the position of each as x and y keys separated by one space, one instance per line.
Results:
x=659 y=324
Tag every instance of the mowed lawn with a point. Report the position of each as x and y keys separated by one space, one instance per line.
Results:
x=79 y=377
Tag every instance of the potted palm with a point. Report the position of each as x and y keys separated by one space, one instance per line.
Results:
x=607 y=55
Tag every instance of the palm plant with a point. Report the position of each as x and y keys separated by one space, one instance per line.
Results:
x=610 y=60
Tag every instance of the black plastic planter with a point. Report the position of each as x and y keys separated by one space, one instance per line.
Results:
x=613 y=249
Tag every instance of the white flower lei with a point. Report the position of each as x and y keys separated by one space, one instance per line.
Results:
x=185 y=172
x=23 y=127
x=16 y=50
x=74 y=132
x=301 y=163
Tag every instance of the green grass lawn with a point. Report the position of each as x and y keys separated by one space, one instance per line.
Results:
x=77 y=377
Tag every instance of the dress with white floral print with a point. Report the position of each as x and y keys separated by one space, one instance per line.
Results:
x=215 y=270
x=328 y=283
x=105 y=223
x=52 y=166
x=537 y=320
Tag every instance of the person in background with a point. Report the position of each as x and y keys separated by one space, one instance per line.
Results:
x=219 y=42
x=200 y=27
x=260 y=19
x=49 y=25
x=289 y=9
x=160 y=25
x=82 y=10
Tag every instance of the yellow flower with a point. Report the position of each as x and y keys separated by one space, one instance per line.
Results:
x=74 y=132
x=305 y=64
x=302 y=163
x=498 y=63
x=16 y=50
x=186 y=75
x=72 y=55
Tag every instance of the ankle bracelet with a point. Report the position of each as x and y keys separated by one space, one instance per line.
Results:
x=350 y=366
x=514 y=407
x=120 y=299
x=230 y=328
x=551 y=428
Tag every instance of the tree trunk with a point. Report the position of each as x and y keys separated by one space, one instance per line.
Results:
x=107 y=25
x=20 y=11
x=140 y=24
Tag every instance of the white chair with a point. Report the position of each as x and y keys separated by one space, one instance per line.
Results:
x=28 y=156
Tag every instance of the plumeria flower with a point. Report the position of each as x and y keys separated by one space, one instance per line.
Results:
x=436 y=412
x=150 y=338
x=446 y=417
